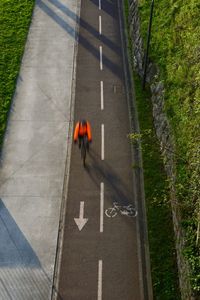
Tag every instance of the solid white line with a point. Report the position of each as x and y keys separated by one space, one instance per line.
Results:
x=101 y=206
x=102 y=141
x=99 y=24
x=100 y=4
x=100 y=271
x=101 y=60
x=102 y=99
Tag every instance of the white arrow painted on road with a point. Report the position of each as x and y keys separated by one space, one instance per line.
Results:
x=80 y=222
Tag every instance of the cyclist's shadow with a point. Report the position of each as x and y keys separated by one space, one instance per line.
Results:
x=102 y=172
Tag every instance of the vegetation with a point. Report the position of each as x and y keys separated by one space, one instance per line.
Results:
x=15 y=18
x=160 y=227
x=175 y=48
x=159 y=218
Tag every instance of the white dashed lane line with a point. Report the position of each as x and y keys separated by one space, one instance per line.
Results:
x=100 y=25
x=102 y=96
x=100 y=272
x=100 y=266
x=101 y=206
x=102 y=142
x=101 y=59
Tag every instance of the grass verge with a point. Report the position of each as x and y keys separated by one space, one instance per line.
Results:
x=160 y=226
x=175 y=49
x=15 y=17
x=159 y=218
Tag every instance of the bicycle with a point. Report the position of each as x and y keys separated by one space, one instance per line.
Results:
x=84 y=148
x=126 y=210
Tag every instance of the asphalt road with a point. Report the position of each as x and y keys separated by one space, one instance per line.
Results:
x=101 y=259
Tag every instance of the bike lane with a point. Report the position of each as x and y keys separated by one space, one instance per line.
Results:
x=100 y=260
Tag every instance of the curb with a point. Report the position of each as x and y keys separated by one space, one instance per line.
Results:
x=55 y=293
x=143 y=244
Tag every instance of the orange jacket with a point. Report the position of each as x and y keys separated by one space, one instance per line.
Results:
x=81 y=130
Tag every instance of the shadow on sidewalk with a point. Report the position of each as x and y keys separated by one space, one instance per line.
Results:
x=21 y=273
x=18 y=249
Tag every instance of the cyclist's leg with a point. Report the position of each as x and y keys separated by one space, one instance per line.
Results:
x=79 y=141
x=87 y=143
x=83 y=149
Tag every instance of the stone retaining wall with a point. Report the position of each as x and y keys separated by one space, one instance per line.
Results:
x=164 y=135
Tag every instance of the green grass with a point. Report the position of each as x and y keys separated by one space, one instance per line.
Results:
x=15 y=17
x=175 y=49
x=159 y=218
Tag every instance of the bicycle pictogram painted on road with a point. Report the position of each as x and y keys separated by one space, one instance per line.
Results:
x=125 y=210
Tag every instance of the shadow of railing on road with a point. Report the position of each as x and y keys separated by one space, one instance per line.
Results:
x=109 y=6
x=101 y=170
x=87 y=26
x=114 y=68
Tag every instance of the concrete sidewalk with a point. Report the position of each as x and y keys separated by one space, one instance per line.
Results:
x=34 y=153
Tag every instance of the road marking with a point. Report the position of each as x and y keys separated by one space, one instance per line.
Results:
x=102 y=98
x=100 y=271
x=102 y=142
x=101 y=59
x=100 y=25
x=124 y=210
x=80 y=222
x=101 y=206
x=100 y=4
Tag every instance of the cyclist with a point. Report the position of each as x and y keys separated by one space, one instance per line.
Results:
x=82 y=128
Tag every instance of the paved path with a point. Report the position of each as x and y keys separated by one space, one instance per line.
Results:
x=101 y=258
x=34 y=154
